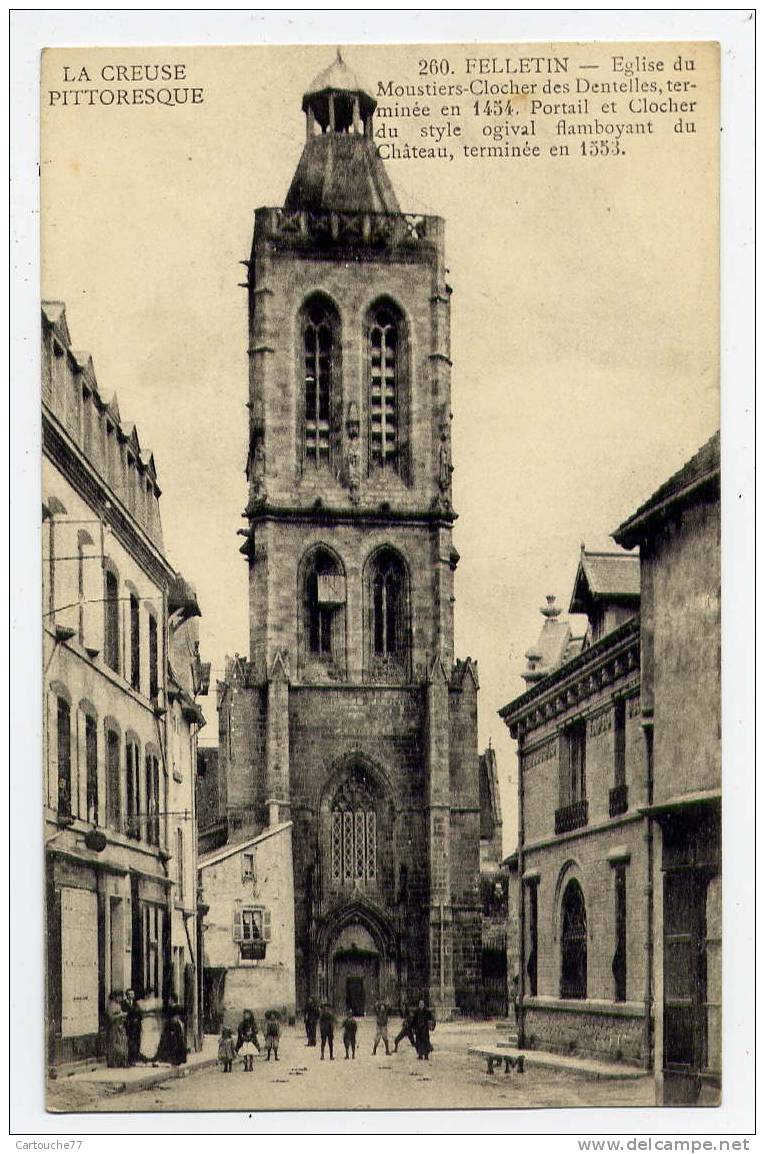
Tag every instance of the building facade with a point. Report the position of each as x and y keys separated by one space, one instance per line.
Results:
x=351 y=717
x=249 y=932
x=119 y=806
x=678 y=532
x=581 y=861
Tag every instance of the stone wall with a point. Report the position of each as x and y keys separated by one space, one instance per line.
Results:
x=612 y=1032
x=681 y=574
x=585 y=857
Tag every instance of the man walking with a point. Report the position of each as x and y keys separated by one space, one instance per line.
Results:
x=327 y=1030
x=381 y=1032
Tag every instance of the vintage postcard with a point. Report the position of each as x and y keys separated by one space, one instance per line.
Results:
x=381 y=576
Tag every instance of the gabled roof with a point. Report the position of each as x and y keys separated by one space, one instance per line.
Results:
x=132 y=437
x=218 y=855
x=605 y=577
x=114 y=409
x=147 y=460
x=702 y=470
x=55 y=314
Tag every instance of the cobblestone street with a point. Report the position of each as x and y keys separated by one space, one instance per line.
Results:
x=452 y=1078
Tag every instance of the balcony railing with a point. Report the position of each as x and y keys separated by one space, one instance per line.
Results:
x=254 y=951
x=617 y=800
x=372 y=229
x=572 y=816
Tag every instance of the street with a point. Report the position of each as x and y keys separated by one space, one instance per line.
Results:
x=300 y=1080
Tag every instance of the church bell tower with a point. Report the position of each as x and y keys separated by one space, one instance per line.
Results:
x=352 y=718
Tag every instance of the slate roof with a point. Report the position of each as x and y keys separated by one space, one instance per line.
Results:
x=702 y=469
x=341 y=172
x=605 y=576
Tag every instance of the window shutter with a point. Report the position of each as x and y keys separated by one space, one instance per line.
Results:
x=237 y=924
x=267 y=925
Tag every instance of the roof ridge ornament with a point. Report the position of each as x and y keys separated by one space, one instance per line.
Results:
x=551 y=610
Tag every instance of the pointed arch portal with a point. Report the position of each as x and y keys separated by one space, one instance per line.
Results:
x=357 y=957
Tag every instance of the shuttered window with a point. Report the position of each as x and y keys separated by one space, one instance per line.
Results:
x=91 y=768
x=112 y=621
x=64 y=758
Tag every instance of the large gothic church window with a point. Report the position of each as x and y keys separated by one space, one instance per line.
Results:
x=323 y=611
x=353 y=833
x=320 y=342
x=388 y=627
x=573 y=943
x=387 y=388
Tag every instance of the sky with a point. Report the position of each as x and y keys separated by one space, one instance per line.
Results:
x=585 y=332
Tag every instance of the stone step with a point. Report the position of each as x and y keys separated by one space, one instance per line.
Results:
x=588 y=1066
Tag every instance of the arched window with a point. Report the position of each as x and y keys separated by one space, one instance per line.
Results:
x=323 y=606
x=319 y=354
x=573 y=943
x=353 y=832
x=385 y=363
x=388 y=612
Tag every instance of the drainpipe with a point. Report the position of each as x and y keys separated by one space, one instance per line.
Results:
x=647 y=726
x=441 y=952
x=521 y=905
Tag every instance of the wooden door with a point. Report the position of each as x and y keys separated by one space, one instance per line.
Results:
x=685 y=1033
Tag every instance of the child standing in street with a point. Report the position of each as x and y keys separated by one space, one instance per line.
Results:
x=350 y=1026
x=247 y=1043
x=226 y=1050
x=273 y=1031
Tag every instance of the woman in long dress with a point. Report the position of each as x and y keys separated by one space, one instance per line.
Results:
x=116 y=1034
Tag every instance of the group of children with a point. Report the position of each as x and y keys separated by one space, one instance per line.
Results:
x=417 y=1025
x=247 y=1044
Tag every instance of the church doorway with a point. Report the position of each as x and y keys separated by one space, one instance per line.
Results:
x=355 y=970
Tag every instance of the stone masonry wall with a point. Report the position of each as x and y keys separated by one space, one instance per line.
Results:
x=611 y=1034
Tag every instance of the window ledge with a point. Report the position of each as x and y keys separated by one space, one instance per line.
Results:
x=585 y=1006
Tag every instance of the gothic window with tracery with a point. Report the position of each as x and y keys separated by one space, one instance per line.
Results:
x=388 y=624
x=318 y=349
x=353 y=834
x=384 y=388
